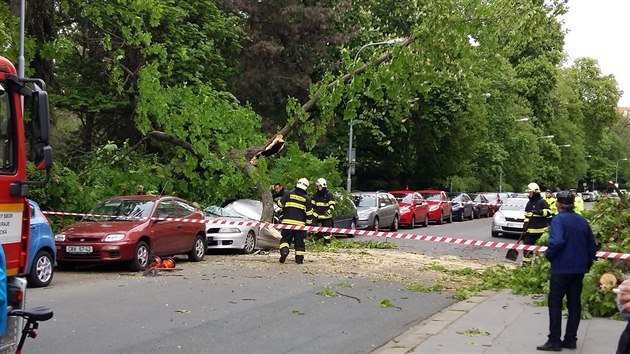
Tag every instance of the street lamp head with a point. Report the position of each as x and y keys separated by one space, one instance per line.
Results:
x=521 y=120
x=564 y=145
x=486 y=94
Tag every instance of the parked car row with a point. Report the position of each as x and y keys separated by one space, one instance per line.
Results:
x=132 y=229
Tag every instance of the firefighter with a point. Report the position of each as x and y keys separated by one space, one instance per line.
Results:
x=297 y=209
x=324 y=204
x=579 y=202
x=551 y=201
x=536 y=219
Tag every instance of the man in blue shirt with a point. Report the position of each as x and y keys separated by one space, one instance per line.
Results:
x=571 y=251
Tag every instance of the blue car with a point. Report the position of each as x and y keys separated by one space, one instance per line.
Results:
x=41 y=251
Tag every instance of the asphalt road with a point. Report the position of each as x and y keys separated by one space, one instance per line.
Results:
x=213 y=306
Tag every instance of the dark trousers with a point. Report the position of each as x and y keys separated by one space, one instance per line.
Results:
x=324 y=223
x=624 y=341
x=296 y=237
x=559 y=286
x=530 y=239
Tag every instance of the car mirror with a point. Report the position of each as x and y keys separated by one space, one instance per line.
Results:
x=382 y=205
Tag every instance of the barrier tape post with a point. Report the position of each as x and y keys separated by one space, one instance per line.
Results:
x=335 y=230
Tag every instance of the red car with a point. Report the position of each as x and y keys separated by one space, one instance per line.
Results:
x=124 y=229
x=413 y=208
x=494 y=201
x=439 y=205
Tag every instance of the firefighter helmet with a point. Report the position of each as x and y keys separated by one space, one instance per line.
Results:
x=321 y=182
x=565 y=197
x=302 y=183
x=533 y=187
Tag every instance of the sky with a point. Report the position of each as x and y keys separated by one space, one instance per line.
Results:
x=599 y=29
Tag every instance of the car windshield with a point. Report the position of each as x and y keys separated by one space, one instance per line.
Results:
x=475 y=197
x=403 y=197
x=515 y=204
x=365 y=201
x=214 y=211
x=457 y=199
x=433 y=196
x=121 y=210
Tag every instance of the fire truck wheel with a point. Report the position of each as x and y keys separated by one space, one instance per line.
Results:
x=42 y=270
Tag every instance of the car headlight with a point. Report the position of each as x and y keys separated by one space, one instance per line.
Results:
x=114 y=237
x=405 y=209
x=498 y=217
x=60 y=237
x=364 y=216
x=433 y=207
x=229 y=230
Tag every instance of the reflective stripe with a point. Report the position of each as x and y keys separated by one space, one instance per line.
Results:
x=324 y=217
x=300 y=253
x=295 y=205
x=284 y=245
x=297 y=197
x=328 y=237
x=325 y=204
x=536 y=231
x=293 y=222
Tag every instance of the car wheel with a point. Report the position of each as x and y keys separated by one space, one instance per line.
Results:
x=42 y=270
x=353 y=226
x=426 y=221
x=250 y=242
x=394 y=225
x=375 y=225
x=141 y=256
x=413 y=222
x=495 y=234
x=441 y=219
x=450 y=218
x=199 y=249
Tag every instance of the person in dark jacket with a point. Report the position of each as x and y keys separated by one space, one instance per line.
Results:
x=623 y=303
x=297 y=209
x=537 y=212
x=571 y=251
x=279 y=192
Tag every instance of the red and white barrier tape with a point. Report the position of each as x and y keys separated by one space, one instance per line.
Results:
x=337 y=230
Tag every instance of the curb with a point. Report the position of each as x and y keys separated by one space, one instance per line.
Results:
x=410 y=339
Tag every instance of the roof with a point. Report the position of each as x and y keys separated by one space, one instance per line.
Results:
x=429 y=191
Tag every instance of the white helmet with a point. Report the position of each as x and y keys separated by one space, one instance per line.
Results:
x=302 y=183
x=533 y=187
x=321 y=182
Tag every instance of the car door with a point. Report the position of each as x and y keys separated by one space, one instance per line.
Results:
x=446 y=204
x=188 y=231
x=469 y=204
x=384 y=212
x=163 y=233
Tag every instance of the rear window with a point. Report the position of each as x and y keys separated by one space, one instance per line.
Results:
x=433 y=196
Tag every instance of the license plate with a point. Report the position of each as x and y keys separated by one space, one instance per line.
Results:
x=515 y=224
x=79 y=249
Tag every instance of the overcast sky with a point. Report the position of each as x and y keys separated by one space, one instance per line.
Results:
x=599 y=29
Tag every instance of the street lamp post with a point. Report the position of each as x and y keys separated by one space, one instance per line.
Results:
x=617 y=171
x=351 y=158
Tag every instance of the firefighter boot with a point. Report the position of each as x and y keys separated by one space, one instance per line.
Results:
x=284 y=252
x=299 y=259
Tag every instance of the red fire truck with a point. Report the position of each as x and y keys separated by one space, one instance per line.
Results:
x=16 y=93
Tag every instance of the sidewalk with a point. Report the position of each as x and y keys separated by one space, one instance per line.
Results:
x=507 y=324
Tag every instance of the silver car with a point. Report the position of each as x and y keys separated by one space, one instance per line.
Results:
x=376 y=210
x=244 y=238
x=510 y=218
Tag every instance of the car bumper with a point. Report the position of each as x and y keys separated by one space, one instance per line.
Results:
x=458 y=214
x=226 y=241
x=364 y=223
x=508 y=227
x=101 y=252
x=435 y=215
x=405 y=219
